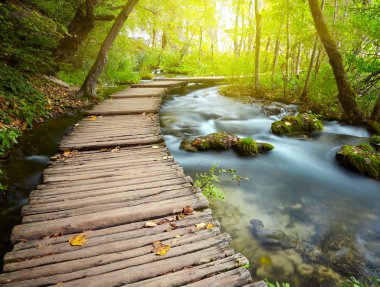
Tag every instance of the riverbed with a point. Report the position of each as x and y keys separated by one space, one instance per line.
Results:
x=301 y=218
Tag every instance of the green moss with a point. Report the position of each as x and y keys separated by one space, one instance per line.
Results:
x=187 y=146
x=375 y=142
x=281 y=128
x=373 y=127
x=215 y=141
x=264 y=147
x=362 y=158
x=246 y=147
x=223 y=141
x=296 y=125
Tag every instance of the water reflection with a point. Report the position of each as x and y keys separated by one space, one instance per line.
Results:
x=301 y=218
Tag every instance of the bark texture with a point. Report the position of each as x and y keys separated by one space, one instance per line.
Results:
x=346 y=94
x=89 y=86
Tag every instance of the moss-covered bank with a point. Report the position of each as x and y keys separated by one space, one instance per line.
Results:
x=223 y=141
x=363 y=158
x=296 y=125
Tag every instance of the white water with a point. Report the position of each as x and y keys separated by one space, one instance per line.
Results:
x=297 y=188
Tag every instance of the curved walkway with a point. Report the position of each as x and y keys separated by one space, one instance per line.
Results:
x=118 y=195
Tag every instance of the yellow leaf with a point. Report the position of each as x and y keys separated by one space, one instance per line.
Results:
x=155 y=147
x=160 y=248
x=177 y=236
x=92 y=118
x=150 y=224
x=165 y=157
x=104 y=149
x=78 y=240
x=209 y=225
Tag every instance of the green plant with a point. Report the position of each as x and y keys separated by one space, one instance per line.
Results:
x=211 y=183
x=8 y=137
x=3 y=187
x=353 y=282
x=277 y=284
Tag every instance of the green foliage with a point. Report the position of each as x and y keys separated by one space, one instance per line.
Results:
x=246 y=147
x=277 y=284
x=353 y=282
x=28 y=38
x=211 y=182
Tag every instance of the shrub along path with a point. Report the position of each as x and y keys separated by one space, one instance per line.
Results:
x=115 y=209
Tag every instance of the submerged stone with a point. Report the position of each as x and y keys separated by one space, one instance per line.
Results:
x=297 y=125
x=363 y=158
x=223 y=141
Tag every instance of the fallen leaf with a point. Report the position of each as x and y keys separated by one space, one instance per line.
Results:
x=200 y=225
x=92 y=118
x=177 y=236
x=150 y=224
x=155 y=147
x=180 y=216
x=173 y=225
x=160 y=248
x=104 y=149
x=188 y=210
x=116 y=149
x=209 y=225
x=78 y=240
x=165 y=157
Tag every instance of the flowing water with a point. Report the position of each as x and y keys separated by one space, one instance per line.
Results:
x=301 y=218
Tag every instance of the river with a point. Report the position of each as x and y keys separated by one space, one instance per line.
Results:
x=321 y=221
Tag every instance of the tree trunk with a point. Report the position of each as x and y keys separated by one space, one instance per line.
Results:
x=257 y=48
x=250 y=27
x=318 y=61
x=346 y=94
x=298 y=60
x=276 y=52
x=236 y=29
x=335 y=11
x=80 y=26
x=89 y=85
x=286 y=77
x=200 y=46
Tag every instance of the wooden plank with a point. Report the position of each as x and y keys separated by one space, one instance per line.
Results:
x=196 y=217
x=178 y=258
x=101 y=203
x=105 y=218
x=126 y=106
x=140 y=92
x=196 y=273
x=111 y=261
x=234 y=278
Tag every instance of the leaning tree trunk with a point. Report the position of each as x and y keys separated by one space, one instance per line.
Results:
x=346 y=94
x=257 y=48
x=89 y=85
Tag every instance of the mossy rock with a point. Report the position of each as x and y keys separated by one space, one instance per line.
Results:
x=373 y=127
x=375 y=142
x=246 y=147
x=264 y=147
x=214 y=141
x=296 y=125
x=224 y=141
x=187 y=146
x=362 y=158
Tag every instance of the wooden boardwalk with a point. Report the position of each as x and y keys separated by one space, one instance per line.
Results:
x=116 y=186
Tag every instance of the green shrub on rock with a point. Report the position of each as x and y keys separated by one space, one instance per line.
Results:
x=296 y=125
x=362 y=158
x=375 y=142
